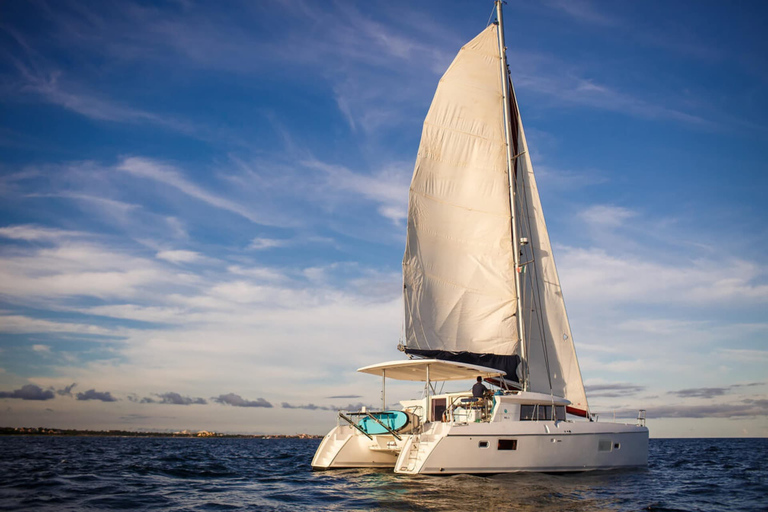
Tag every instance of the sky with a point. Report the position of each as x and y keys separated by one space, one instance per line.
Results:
x=202 y=204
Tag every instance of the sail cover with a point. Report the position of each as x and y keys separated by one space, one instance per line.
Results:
x=458 y=269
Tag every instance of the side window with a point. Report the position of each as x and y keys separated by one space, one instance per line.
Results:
x=560 y=413
x=545 y=412
x=527 y=412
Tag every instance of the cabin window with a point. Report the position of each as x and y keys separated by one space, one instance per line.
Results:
x=507 y=444
x=527 y=412
x=483 y=444
x=541 y=412
x=604 y=445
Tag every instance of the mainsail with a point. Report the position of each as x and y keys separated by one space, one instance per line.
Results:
x=459 y=266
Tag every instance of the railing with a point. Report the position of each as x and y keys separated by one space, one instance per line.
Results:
x=468 y=404
x=641 y=418
x=354 y=424
x=356 y=417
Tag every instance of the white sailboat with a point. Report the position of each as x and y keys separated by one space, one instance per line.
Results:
x=482 y=299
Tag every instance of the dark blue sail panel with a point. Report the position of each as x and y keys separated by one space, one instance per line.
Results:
x=506 y=364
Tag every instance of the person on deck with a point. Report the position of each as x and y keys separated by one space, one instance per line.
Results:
x=478 y=390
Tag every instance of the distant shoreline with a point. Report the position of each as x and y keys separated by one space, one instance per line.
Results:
x=44 y=431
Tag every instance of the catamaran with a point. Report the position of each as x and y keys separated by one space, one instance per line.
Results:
x=482 y=299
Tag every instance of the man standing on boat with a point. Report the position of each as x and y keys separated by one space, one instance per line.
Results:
x=478 y=390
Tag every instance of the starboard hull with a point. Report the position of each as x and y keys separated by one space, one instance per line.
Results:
x=524 y=447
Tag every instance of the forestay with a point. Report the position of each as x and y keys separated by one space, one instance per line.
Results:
x=548 y=333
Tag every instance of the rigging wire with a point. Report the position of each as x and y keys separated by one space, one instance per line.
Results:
x=493 y=11
x=533 y=276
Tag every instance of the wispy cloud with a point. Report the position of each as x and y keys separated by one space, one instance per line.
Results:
x=169 y=175
x=388 y=187
x=92 y=394
x=260 y=244
x=238 y=401
x=66 y=390
x=31 y=232
x=744 y=408
x=26 y=324
x=613 y=390
x=583 y=11
x=179 y=256
x=311 y=407
x=710 y=392
x=29 y=392
x=174 y=398
x=606 y=216
x=596 y=275
x=568 y=87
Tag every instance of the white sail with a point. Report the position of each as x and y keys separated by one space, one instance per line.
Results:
x=552 y=364
x=458 y=269
x=459 y=265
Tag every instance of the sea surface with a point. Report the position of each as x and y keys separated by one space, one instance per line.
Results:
x=113 y=473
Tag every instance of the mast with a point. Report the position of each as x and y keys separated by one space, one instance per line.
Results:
x=511 y=159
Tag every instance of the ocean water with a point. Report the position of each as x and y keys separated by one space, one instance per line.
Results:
x=110 y=473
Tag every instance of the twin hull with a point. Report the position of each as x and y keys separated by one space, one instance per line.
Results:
x=449 y=448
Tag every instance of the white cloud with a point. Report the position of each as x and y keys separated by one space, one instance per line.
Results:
x=388 y=187
x=595 y=275
x=746 y=355
x=258 y=273
x=32 y=232
x=25 y=324
x=606 y=216
x=179 y=256
x=267 y=243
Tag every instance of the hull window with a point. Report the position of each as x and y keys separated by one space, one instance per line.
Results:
x=507 y=444
x=604 y=445
x=483 y=444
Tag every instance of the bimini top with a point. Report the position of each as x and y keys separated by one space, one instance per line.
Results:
x=439 y=370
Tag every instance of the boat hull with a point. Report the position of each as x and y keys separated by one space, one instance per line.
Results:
x=524 y=447
x=346 y=447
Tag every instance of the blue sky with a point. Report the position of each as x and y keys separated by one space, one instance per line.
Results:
x=202 y=205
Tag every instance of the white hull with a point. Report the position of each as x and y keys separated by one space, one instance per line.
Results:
x=445 y=448
x=459 y=434
x=345 y=447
